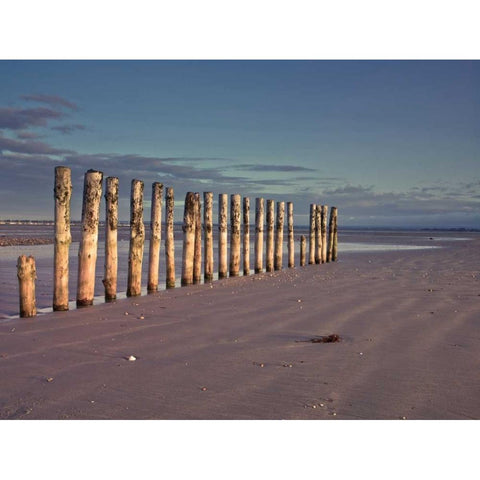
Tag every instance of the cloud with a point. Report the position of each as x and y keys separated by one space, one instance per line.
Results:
x=68 y=129
x=52 y=100
x=28 y=165
x=272 y=168
x=25 y=135
x=30 y=147
x=349 y=190
x=19 y=118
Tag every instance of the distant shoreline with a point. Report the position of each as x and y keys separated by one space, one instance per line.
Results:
x=126 y=224
x=6 y=241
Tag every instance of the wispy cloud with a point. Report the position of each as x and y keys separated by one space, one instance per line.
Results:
x=26 y=135
x=349 y=190
x=52 y=100
x=30 y=147
x=251 y=167
x=20 y=118
x=68 y=129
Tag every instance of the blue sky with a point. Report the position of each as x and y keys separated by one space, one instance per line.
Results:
x=390 y=143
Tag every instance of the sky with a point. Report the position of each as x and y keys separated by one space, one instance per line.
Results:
x=390 y=143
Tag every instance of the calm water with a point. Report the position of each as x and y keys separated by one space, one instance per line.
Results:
x=349 y=242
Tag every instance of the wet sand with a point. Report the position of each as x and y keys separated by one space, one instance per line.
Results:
x=409 y=323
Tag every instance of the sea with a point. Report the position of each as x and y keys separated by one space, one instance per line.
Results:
x=349 y=241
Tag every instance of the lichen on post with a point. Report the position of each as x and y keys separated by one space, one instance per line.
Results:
x=259 y=226
x=155 y=236
x=222 y=235
x=169 y=239
x=291 y=245
x=26 y=274
x=197 y=256
x=335 y=235
x=311 y=251
x=324 y=232
x=331 y=233
x=270 y=239
x=87 y=252
x=208 y=227
x=279 y=236
x=303 y=250
x=318 y=234
x=63 y=237
x=137 y=240
x=188 y=239
x=111 y=234
x=234 y=235
x=246 y=236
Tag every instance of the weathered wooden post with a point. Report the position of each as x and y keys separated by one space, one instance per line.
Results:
x=291 y=245
x=234 y=235
x=208 y=245
x=318 y=234
x=311 y=251
x=137 y=240
x=111 y=233
x=335 y=235
x=331 y=233
x=26 y=274
x=63 y=237
x=197 y=255
x=303 y=250
x=155 y=236
x=246 y=236
x=279 y=235
x=188 y=239
x=222 y=235
x=269 y=243
x=259 y=221
x=169 y=239
x=324 y=232
x=87 y=252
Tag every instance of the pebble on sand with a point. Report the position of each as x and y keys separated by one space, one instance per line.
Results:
x=131 y=358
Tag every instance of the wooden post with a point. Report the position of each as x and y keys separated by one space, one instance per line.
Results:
x=291 y=245
x=318 y=234
x=222 y=235
x=259 y=221
x=331 y=229
x=197 y=255
x=279 y=235
x=155 y=236
x=137 y=240
x=270 y=225
x=208 y=245
x=111 y=233
x=335 y=235
x=87 y=252
x=246 y=236
x=234 y=235
x=324 y=232
x=188 y=239
x=311 y=252
x=26 y=274
x=63 y=237
x=303 y=250
x=169 y=240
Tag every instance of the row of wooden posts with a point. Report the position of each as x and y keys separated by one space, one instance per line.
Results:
x=321 y=250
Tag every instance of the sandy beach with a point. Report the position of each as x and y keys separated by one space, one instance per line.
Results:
x=238 y=348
